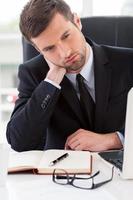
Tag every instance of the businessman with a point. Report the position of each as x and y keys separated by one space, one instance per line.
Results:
x=73 y=95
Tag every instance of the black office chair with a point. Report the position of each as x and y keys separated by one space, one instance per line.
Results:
x=114 y=31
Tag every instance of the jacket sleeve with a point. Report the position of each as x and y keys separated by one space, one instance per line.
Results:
x=27 y=127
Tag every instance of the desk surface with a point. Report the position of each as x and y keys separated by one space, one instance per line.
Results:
x=40 y=187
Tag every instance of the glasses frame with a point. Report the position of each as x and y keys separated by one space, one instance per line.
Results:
x=71 y=178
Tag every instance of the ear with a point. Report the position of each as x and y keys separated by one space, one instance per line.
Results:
x=77 y=21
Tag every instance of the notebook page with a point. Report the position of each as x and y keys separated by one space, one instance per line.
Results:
x=24 y=159
x=75 y=160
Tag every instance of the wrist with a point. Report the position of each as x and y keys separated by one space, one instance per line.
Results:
x=56 y=76
x=115 y=142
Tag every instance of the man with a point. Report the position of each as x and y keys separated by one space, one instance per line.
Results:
x=48 y=112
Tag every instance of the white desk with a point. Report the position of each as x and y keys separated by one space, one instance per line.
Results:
x=40 y=187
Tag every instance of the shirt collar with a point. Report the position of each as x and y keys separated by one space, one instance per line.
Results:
x=88 y=70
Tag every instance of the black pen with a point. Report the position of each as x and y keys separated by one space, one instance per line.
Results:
x=58 y=159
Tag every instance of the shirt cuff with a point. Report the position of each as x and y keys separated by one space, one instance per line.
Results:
x=121 y=137
x=53 y=83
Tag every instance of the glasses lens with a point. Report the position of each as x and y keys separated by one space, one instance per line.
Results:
x=60 y=176
x=82 y=183
x=99 y=184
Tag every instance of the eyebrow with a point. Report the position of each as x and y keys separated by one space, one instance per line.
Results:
x=51 y=46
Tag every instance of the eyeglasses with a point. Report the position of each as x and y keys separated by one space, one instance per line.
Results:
x=60 y=176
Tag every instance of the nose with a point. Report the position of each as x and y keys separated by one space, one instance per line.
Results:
x=64 y=50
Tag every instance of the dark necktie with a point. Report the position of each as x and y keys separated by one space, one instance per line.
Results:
x=86 y=102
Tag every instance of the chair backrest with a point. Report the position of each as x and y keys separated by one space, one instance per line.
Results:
x=114 y=31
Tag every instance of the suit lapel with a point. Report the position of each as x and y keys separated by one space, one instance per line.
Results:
x=70 y=95
x=102 y=73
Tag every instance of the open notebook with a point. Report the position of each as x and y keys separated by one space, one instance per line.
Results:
x=124 y=159
x=79 y=162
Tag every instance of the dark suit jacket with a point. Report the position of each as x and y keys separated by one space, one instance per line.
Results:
x=45 y=116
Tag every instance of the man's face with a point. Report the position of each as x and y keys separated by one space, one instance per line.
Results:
x=63 y=44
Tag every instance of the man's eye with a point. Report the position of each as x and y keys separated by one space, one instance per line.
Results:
x=49 y=48
x=66 y=36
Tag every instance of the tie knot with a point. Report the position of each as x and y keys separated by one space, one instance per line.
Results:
x=80 y=83
x=79 y=78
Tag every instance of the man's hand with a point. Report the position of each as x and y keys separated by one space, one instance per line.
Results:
x=55 y=73
x=87 y=140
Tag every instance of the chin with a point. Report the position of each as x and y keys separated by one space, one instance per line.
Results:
x=73 y=71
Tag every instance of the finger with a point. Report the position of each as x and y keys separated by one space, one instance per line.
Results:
x=74 y=144
x=67 y=148
x=79 y=148
x=69 y=138
x=73 y=140
x=66 y=145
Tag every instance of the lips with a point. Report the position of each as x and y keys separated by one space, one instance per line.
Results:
x=72 y=58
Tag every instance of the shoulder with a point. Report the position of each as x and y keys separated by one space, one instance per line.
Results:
x=36 y=67
x=111 y=53
x=36 y=62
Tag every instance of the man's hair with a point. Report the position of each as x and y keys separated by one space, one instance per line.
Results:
x=37 y=14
